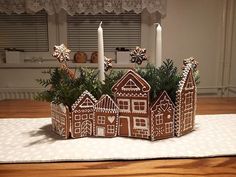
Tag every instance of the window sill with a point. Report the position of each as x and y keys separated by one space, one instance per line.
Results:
x=45 y=65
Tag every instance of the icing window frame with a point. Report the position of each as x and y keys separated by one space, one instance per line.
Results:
x=140 y=123
x=136 y=106
x=122 y=107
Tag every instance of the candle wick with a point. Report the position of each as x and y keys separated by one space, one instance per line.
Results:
x=100 y=24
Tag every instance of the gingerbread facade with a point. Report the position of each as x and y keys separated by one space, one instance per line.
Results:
x=130 y=114
x=132 y=97
x=60 y=119
x=105 y=117
x=162 y=117
x=185 y=103
x=82 y=116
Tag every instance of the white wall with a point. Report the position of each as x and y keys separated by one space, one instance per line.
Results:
x=193 y=28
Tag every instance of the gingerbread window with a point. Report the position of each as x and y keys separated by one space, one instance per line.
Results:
x=84 y=116
x=101 y=120
x=87 y=103
x=124 y=105
x=169 y=127
x=130 y=86
x=139 y=106
x=140 y=123
x=159 y=119
x=77 y=117
x=187 y=120
x=188 y=100
x=110 y=129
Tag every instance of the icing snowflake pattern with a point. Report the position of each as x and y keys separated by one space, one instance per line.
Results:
x=138 y=55
x=61 y=53
x=107 y=63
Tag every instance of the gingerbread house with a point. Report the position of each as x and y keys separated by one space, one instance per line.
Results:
x=60 y=119
x=105 y=117
x=185 y=103
x=82 y=116
x=162 y=117
x=132 y=97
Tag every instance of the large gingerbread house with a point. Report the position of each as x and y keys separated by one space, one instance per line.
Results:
x=130 y=114
x=132 y=96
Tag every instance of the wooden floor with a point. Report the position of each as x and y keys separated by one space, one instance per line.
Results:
x=220 y=166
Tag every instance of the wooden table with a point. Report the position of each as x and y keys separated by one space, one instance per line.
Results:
x=220 y=166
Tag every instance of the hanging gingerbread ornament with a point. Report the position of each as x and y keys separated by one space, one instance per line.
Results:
x=61 y=53
x=107 y=63
x=192 y=62
x=138 y=55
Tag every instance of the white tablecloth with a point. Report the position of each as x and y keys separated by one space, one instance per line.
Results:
x=31 y=140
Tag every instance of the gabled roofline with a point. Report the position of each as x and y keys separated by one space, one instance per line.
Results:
x=159 y=97
x=86 y=92
x=102 y=99
x=185 y=74
x=146 y=86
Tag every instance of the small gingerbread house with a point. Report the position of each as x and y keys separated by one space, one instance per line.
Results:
x=162 y=117
x=132 y=97
x=185 y=103
x=82 y=116
x=60 y=119
x=105 y=117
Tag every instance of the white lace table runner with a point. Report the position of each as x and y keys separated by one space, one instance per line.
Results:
x=31 y=140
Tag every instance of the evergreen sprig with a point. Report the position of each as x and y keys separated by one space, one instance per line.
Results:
x=61 y=88
x=163 y=78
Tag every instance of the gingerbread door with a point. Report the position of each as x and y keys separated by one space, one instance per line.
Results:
x=124 y=126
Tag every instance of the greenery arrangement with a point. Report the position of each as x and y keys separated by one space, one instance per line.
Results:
x=164 y=78
x=61 y=88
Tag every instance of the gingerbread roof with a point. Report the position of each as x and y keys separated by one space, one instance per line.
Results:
x=85 y=98
x=162 y=98
x=187 y=81
x=106 y=103
x=131 y=82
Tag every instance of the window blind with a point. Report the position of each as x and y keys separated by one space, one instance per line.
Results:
x=24 y=31
x=122 y=30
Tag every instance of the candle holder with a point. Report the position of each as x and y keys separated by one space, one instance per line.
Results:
x=130 y=109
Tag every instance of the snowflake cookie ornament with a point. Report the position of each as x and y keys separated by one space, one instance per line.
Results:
x=107 y=63
x=138 y=55
x=61 y=53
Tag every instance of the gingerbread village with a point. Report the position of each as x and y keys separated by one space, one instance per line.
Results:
x=130 y=113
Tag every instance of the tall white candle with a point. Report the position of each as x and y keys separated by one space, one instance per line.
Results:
x=101 y=53
x=158 y=46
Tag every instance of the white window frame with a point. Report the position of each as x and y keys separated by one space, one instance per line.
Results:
x=140 y=118
x=188 y=100
x=169 y=127
x=159 y=119
x=124 y=100
x=139 y=101
x=188 y=118
x=101 y=120
x=110 y=129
